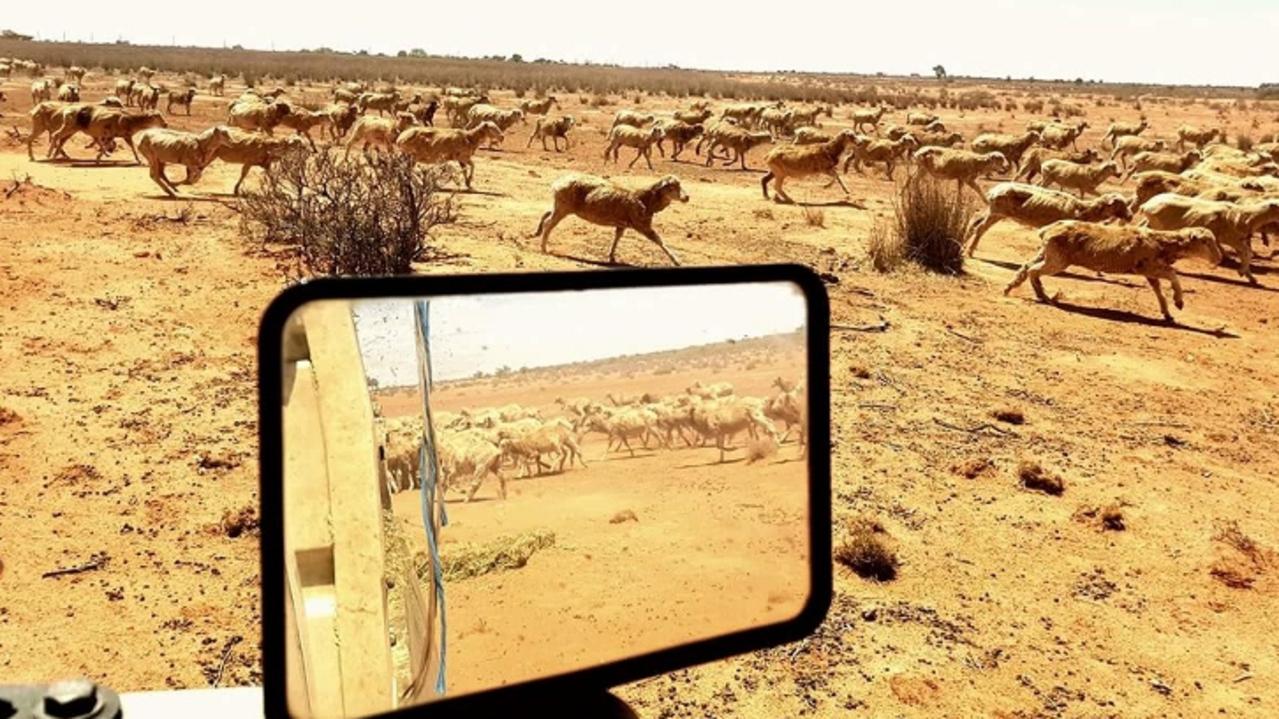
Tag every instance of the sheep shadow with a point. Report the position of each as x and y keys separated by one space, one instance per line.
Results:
x=852 y=204
x=473 y=191
x=1014 y=267
x=590 y=261
x=186 y=198
x=89 y=164
x=1114 y=315
x=1237 y=282
x=712 y=463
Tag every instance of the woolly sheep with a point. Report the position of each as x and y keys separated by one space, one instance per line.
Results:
x=1036 y=207
x=548 y=438
x=538 y=107
x=601 y=202
x=713 y=390
x=623 y=424
x=1117 y=249
x=217 y=85
x=810 y=136
x=554 y=129
x=1084 y=179
x=862 y=118
x=1058 y=136
x=41 y=91
x=302 y=121
x=881 y=152
x=379 y=133
x=693 y=117
x=1233 y=224
x=181 y=99
x=252 y=149
x=104 y=124
x=435 y=145
x=680 y=134
x=503 y=119
x=69 y=93
x=124 y=90
x=920 y=118
x=735 y=140
x=1035 y=157
x=1123 y=129
x=797 y=161
x=382 y=102
x=1130 y=145
x=468 y=455
x=633 y=118
x=1196 y=136
x=256 y=115
x=720 y=420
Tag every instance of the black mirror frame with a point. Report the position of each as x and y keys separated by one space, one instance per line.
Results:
x=559 y=689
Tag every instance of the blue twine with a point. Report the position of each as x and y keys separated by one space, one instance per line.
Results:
x=428 y=469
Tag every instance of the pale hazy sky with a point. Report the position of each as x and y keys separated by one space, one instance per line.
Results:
x=1163 y=41
x=516 y=330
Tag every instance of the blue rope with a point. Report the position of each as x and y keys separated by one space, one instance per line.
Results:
x=428 y=469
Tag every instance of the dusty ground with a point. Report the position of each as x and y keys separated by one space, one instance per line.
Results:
x=649 y=551
x=128 y=392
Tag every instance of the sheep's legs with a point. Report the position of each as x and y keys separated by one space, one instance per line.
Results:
x=617 y=237
x=835 y=176
x=654 y=237
x=549 y=221
x=157 y=174
x=1159 y=295
x=979 y=227
x=244 y=172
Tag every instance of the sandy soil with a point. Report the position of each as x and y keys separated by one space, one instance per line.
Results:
x=127 y=350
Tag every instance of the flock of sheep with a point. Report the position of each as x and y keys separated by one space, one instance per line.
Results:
x=1194 y=181
x=473 y=445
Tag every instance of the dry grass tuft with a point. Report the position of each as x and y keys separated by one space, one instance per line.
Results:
x=504 y=553
x=1009 y=415
x=760 y=449
x=885 y=247
x=814 y=217
x=928 y=226
x=1032 y=476
x=864 y=549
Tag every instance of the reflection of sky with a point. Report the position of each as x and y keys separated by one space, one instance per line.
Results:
x=471 y=334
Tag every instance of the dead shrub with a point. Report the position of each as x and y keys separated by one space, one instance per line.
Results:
x=973 y=467
x=928 y=226
x=1032 y=476
x=1009 y=415
x=359 y=217
x=864 y=549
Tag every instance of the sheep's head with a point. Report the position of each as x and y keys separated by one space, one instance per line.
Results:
x=997 y=161
x=668 y=190
x=1108 y=169
x=1108 y=207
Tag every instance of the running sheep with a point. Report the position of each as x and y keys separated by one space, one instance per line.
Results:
x=602 y=202
x=1036 y=207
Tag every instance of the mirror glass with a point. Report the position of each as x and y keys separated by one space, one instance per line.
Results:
x=487 y=489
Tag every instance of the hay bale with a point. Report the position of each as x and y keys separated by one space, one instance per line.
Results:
x=464 y=561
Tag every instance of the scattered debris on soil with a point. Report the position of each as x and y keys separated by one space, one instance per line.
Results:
x=97 y=561
x=217 y=461
x=238 y=522
x=464 y=561
x=974 y=467
x=1108 y=518
x=1242 y=561
x=625 y=515
x=864 y=549
x=1032 y=476
x=75 y=474
x=8 y=416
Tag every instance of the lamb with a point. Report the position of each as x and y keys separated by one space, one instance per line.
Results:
x=868 y=117
x=806 y=160
x=962 y=166
x=680 y=134
x=938 y=139
x=503 y=119
x=1038 y=207
x=69 y=93
x=735 y=140
x=642 y=139
x=715 y=390
x=181 y=99
x=146 y=97
x=548 y=438
x=302 y=121
x=194 y=151
x=1013 y=147
x=338 y=118
x=633 y=118
x=378 y=132
x=41 y=91
x=624 y=424
x=468 y=455
x=217 y=85
x=1056 y=136
x=1196 y=136
x=1125 y=147
x=1084 y=179
x=1162 y=161
x=885 y=152
x=104 y=124
x=538 y=107
x=252 y=149
x=554 y=129
x=601 y=202
x=1233 y=224
x=1123 y=129
x=124 y=90
x=382 y=102
x=692 y=117
x=1118 y=249
x=434 y=145
x=722 y=419
x=256 y=115
x=1034 y=159
x=920 y=118
x=810 y=136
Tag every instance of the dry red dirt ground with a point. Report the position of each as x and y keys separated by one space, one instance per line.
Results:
x=127 y=399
